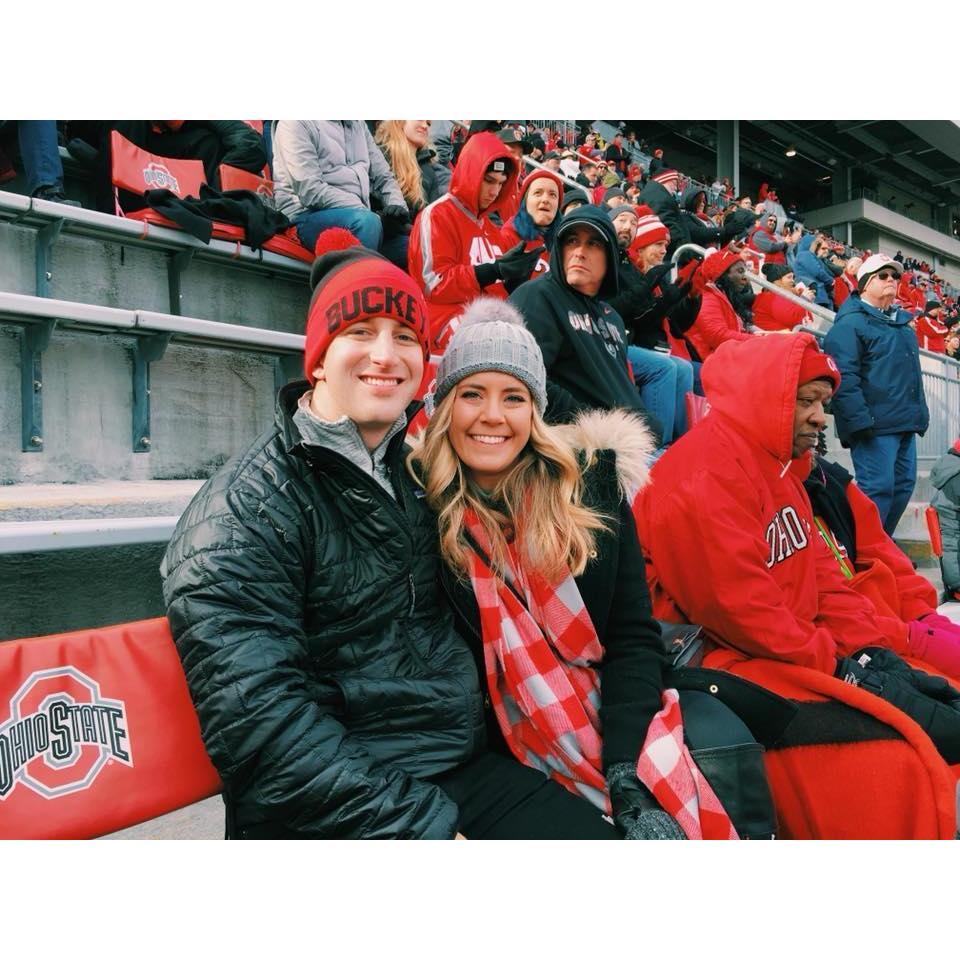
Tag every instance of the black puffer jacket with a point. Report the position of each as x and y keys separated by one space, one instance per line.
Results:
x=327 y=677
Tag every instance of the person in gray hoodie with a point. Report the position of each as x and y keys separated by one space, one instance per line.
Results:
x=328 y=173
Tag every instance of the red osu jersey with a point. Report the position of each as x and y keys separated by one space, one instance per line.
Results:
x=450 y=237
x=727 y=527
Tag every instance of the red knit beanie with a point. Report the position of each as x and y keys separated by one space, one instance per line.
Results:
x=664 y=176
x=541 y=174
x=351 y=283
x=717 y=264
x=650 y=229
x=817 y=365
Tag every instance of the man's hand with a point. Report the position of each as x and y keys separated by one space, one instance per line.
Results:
x=517 y=264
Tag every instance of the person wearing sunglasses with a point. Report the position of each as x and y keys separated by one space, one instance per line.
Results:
x=880 y=407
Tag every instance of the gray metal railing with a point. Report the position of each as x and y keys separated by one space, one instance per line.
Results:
x=40 y=536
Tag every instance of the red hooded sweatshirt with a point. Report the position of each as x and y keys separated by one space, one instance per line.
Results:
x=450 y=237
x=932 y=334
x=727 y=527
x=771 y=312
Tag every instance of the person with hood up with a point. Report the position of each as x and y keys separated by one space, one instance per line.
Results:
x=731 y=543
x=582 y=337
x=722 y=280
x=810 y=269
x=660 y=194
x=772 y=312
x=693 y=211
x=880 y=407
x=456 y=250
x=534 y=224
x=932 y=332
x=534 y=528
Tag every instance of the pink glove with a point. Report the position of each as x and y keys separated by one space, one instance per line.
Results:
x=938 y=647
x=934 y=619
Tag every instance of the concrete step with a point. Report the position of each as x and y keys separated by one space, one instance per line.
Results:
x=89 y=501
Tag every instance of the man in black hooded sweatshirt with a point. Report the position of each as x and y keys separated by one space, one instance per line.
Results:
x=583 y=339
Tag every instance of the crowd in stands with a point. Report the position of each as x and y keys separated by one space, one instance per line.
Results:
x=554 y=342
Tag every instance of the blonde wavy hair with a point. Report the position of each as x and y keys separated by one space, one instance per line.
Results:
x=402 y=157
x=539 y=502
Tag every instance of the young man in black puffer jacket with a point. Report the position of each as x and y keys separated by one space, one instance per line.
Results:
x=335 y=697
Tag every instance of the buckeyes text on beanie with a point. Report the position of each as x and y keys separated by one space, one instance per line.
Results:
x=351 y=283
x=492 y=336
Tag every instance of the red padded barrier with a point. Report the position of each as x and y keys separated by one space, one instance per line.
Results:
x=97 y=733
x=933 y=527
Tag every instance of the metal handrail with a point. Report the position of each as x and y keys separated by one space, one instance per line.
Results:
x=38 y=536
x=23 y=308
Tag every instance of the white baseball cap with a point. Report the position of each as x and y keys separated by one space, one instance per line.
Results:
x=874 y=263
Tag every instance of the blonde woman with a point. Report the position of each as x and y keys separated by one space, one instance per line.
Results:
x=545 y=573
x=405 y=145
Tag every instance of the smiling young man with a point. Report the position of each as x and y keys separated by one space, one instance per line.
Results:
x=335 y=697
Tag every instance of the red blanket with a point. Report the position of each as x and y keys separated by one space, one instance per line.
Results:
x=851 y=766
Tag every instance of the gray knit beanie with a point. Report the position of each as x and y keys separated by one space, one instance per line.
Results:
x=491 y=336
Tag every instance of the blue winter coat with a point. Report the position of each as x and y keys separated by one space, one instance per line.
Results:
x=810 y=269
x=881 y=385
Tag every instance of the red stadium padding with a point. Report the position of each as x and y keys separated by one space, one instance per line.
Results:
x=97 y=733
x=933 y=528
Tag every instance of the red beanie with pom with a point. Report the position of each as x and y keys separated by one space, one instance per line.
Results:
x=351 y=283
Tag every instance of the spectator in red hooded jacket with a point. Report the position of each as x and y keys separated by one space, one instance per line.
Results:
x=932 y=332
x=773 y=312
x=455 y=249
x=534 y=223
x=730 y=541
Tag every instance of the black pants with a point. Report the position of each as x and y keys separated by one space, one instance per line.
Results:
x=501 y=799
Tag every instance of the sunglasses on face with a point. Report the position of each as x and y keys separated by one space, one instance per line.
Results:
x=886 y=275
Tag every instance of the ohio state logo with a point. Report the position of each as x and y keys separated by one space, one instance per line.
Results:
x=157 y=176
x=61 y=734
x=785 y=536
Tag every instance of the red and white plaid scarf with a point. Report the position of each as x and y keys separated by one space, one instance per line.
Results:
x=540 y=655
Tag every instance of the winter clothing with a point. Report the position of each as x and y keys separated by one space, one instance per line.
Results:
x=810 y=270
x=932 y=333
x=582 y=338
x=701 y=228
x=879 y=568
x=451 y=237
x=843 y=286
x=650 y=229
x=323 y=164
x=520 y=228
x=730 y=543
x=716 y=323
x=772 y=312
x=350 y=284
x=328 y=681
x=945 y=477
x=882 y=388
x=728 y=502
x=492 y=336
x=764 y=240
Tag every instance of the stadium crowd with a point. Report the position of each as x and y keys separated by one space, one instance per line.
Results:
x=466 y=637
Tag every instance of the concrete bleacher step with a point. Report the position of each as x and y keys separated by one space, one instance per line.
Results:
x=45 y=592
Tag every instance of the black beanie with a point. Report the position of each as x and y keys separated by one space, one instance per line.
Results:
x=775 y=271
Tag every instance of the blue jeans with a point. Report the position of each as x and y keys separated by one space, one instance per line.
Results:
x=38 y=150
x=663 y=382
x=886 y=471
x=364 y=224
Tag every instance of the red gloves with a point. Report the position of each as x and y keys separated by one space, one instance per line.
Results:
x=936 y=640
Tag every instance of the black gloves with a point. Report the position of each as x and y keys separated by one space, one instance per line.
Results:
x=395 y=219
x=518 y=264
x=655 y=274
x=635 y=810
x=862 y=436
x=513 y=268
